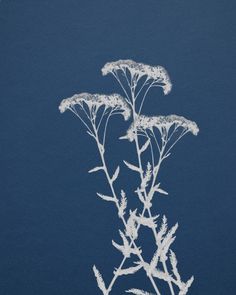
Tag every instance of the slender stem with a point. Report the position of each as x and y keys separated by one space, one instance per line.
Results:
x=143 y=99
x=145 y=192
x=141 y=88
x=101 y=152
x=118 y=80
x=141 y=168
x=182 y=134
x=85 y=124
x=100 y=121
x=116 y=274
x=163 y=262
x=105 y=129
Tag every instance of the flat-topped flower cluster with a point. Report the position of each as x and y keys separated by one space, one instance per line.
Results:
x=95 y=101
x=142 y=123
x=138 y=70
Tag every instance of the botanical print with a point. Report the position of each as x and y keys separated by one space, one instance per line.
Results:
x=154 y=138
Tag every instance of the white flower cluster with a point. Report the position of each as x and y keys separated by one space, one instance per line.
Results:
x=95 y=101
x=156 y=73
x=143 y=123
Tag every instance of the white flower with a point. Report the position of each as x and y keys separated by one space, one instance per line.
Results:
x=94 y=101
x=138 y=70
x=142 y=123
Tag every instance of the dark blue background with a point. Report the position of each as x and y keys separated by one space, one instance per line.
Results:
x=53 y=228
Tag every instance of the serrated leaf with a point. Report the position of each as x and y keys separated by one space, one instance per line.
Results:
x=127 y=271
x=115 y=175
x=123 y=204
x=161 y=275
x=106 y=198
x=120 y=248
x=140 y=195
x=133 y=167
x=154 y=261
x=174 y=262
x=100 y=282
x=147 y=221
x=138 y=292
x=145 y=146
x=95 y=169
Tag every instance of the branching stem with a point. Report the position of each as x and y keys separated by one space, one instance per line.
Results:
x=101 y=152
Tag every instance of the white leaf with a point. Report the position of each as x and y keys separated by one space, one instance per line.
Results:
x=161 y=191
x=132 y=167
x=127 y=271
x=100 y=282
x=170 y=233
x=123 y=204
x=162 y=230
x=115 y=175
x=147 y=221
x=125 y=241
x=161 y=275
x=184 y=287
x=189 y=282
x=131 y=228
x=96 y=169
x=166 y=249
x=154 y=261
x=145 y=146
x=106 y=198
x=147 y=176
x=123 y=137
x=140 y=196
x=174 y=262
x=138 y=292
x=123 y=249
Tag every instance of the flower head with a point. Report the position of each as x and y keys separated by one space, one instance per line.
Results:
x=163 y=123
x=115 y=102
x=138 y=70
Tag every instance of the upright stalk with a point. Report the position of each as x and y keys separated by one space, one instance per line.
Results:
x=101 y=152
x=145 y=192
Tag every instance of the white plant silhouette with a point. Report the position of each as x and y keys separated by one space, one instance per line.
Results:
x=153 y=136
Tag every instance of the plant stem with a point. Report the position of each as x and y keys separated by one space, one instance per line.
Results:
x=163 y=262
x=101 y=152
x=145 y=192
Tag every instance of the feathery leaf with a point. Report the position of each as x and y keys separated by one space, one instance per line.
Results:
x=100 y=281
x=123 y=204
x=147 y=221
x=161 y=275
x=174 y=262
x=147 y=176
x=162 y=230
x=140 y=195
x=138 y=292
x=127 y=271
x=154 y=261
x=131 y=229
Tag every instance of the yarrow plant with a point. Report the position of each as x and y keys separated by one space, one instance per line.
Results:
x=153 y=138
